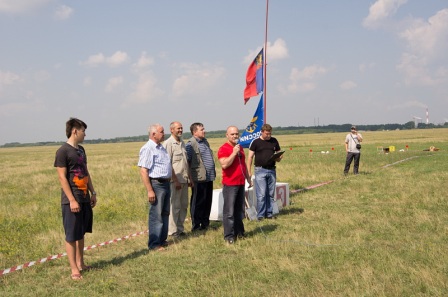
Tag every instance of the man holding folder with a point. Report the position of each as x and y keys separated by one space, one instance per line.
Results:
x=266 y=151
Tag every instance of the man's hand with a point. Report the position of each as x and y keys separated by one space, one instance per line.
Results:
x=93 y=200
x=74 y=206
x=152 y=197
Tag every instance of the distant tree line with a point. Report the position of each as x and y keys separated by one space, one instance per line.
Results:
x=332 y=128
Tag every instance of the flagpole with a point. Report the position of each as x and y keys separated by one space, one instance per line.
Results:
x=264 y=63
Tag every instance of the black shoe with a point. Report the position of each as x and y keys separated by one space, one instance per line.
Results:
x=230 y=241
x=241 y=236
x=260 y=219
x=270 y=218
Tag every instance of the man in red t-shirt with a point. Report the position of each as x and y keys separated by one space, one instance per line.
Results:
x=234 y=173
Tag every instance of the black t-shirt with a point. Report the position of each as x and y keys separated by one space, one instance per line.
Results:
x=264 y=149
x=75 y=160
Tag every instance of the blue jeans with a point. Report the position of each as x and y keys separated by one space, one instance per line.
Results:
x=265 y=180
x=159 y=213
x=233 y=211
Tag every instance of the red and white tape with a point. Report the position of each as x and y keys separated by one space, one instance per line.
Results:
x=312 y=187
x=54 y=257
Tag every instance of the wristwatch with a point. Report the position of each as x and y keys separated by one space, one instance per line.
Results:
x=94 y=193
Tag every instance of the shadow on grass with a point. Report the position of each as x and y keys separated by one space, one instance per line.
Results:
x=291 y=210
x=121 y=259
x=214 y=225
x=262 y=229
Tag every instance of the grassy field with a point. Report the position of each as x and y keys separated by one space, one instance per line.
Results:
x=381 y=233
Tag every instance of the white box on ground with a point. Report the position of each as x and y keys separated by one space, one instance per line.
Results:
x=281 y=195
x=217 y=205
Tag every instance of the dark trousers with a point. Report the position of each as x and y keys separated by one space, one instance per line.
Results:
x=201 y=204
x=233 y=211
x=348 y=161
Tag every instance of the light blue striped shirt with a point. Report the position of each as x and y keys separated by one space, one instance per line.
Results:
x=156 y=159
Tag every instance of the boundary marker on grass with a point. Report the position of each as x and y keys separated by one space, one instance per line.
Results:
x=54 y=257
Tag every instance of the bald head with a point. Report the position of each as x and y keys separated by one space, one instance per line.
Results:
x=233 y=134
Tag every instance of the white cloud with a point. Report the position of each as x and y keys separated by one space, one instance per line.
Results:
x=8 y=78
x=429 y=38
x=14 y=108
x=117 y=59
x=425 y=61
x=407 y=104
x=276 y=51
x=21 y=6
x=365 y=67
x=144 y=61
x=303 y=80
x=63 y=12
x=348 y=85
x=415 y=70
x=309 y=72
x=380 y=11
x=42 y=76
x=113 y=83
x=145 y=90
x=197 y=79
x=95 y=60
x=298 y=87
x=87 y=81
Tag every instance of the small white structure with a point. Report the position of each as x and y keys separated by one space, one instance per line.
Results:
x=281 y=196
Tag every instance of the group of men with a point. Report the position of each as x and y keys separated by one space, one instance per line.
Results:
x=168 y=168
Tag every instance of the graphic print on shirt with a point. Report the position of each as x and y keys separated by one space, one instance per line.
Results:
x=80 y=178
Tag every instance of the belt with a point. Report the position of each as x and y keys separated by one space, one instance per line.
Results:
x=161 y=180
x=268 y=167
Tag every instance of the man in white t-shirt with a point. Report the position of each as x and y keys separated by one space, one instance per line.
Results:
x=352 y=140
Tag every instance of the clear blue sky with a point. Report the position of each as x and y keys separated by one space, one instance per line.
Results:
x=122 y=65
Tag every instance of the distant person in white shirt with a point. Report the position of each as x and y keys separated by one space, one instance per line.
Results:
x=353 y=148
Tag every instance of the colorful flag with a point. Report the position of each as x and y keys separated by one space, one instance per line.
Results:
x=254 y=78
x=253 y=130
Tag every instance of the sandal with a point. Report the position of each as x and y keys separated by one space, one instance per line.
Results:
x=76 y=277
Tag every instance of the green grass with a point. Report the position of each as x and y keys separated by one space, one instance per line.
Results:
x=381 y=233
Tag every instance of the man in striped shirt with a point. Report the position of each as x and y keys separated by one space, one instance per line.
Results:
x=202 y=169
x=155 y=171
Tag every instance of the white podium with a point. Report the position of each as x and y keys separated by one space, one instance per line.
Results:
x=281 y=196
